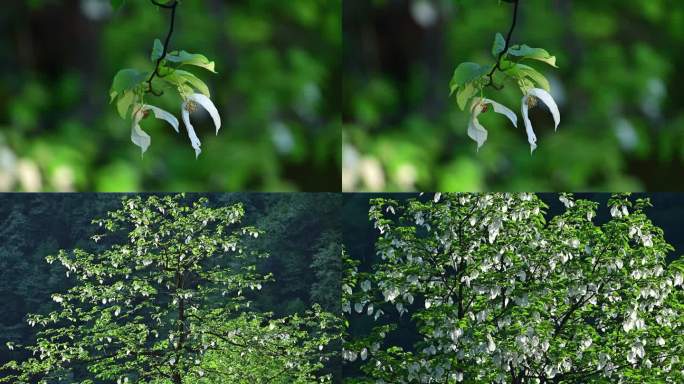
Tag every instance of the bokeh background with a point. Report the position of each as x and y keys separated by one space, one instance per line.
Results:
x=618 y=88
x=277 y=89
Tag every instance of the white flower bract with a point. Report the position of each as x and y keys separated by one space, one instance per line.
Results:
x=138 y=136
x=475 y=130
x=546 y=98
x=206 y=103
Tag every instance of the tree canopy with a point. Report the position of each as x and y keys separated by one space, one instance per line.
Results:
x=164 y=293
x=495 y=292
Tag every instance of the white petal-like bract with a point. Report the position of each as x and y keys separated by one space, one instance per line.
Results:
x=500 y=108
x=206 y=103
x=138 y=136
x=194 y=140
x=163 y=115
x=531 y=137
x=546 y=98
x=550 y=103
x=475 y=130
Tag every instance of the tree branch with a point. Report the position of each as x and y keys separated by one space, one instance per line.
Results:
x=497 y=66
x=172 y=7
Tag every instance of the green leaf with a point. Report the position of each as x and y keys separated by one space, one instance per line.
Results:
x=677 y=264
x=124 y=80
x=465 y=94
x=186 y=58
x=527 y=52
x=465 y=73
x=123 y=105
x=521 y=71
x=499 y=45
x=180 y=77
x=157 y=50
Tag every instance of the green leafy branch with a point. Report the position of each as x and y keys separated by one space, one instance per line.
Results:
x=158 y=45
x=130 y=86
x=470 y=80
x=498 y=40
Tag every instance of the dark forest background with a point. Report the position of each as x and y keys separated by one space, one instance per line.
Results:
x=359 y=238
x=618 y=87
x=302 y=236
x=277 y=91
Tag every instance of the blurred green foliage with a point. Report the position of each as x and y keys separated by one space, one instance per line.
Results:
x=622 y=118
x=277 y=91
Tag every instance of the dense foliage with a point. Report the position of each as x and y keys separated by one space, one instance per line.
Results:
x=495 y=292
x=616 y=87
x=169 y=289
x=275 y=90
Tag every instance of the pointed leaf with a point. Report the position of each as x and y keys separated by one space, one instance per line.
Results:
x=124 y=80
x=180 y=77
x=123 y=105
x=157 y=50
x=527 y=52
x=186 y=58
x=499 y=45
x=522 y=71
x=465 y=94
x=465 y=73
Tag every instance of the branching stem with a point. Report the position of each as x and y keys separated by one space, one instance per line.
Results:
x=172 y=6
x=497 y=66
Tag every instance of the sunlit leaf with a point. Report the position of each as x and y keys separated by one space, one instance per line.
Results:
x=526 y=52
x=186 y=58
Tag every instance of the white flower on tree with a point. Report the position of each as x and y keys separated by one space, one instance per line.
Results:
x=189 y=106
x=497 y=291
x=138 y=136
x=530 y=100
x=475 y=130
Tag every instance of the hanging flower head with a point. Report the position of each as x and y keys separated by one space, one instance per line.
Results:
x=530 y=100
x=475 y=130
x=138 y=136
x=189 y=106
x=131 y=86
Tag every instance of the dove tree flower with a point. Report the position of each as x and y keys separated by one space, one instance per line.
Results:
x=189 y=106
x=130 y=87
x=530 y=100
x=138 y=136
x=475 y=130
x=547 y=300
x=471 y=79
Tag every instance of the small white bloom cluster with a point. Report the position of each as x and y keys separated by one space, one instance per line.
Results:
x=143 y=140
x=478 y=133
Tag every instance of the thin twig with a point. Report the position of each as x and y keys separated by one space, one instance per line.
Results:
x=497 y=66
x=172 y=7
